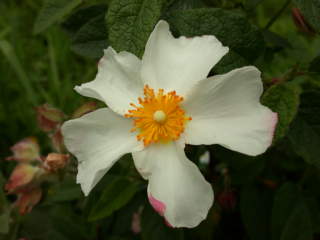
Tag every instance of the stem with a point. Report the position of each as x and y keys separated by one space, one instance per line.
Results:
x=275 y=17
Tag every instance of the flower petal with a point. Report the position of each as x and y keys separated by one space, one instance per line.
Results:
x=117 y=82
x=225 y=109
x=177 y=190
x=98 y=139
x=178 y=63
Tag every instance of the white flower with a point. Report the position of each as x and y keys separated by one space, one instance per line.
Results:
x=159 y=104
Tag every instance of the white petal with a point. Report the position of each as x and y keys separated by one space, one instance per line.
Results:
x=118 y=81
x=225 y=110
x=178 y=63
x=98 y=140
x=177 y=189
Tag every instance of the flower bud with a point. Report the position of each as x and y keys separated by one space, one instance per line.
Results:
x=22 y=175
x=56 y=161
x=25 y=150
x=84 y=109
x=227 y=199
x=49 y=117
x=27 y=200
x=136 y=221
x=300 y=22
x=57 y=141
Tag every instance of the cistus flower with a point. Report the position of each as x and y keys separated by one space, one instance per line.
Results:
x=159 y=104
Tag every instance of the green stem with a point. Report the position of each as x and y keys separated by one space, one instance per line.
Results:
x=278 y=14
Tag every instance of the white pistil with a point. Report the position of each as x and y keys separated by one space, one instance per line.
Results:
x=159 y=116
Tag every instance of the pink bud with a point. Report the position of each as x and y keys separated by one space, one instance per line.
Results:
x=21 y=176
x=84 y=109
x=49 y=117
x=57 y=141
x=56 y=161
x=27 y=200
x=227 y=199
x=136 y=222
x=25 y=150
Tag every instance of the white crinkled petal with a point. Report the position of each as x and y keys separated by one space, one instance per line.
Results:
x=226 y=110
x=118 y=81
x=98 y=140
x=178 y=63
x=177 y=189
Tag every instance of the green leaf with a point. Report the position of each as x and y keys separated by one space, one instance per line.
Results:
x=304 y=134
x=255 y=206
x=245 y=41
x=299 y=225
x=91 y=38
x=66 y=190
x=311 y=11
x=252 y=4
x=53 y=11
x=243 y=169
x=186 y=4
x=285 y=200
x=4 y=221
x=284 y=99
x=130 y=23
x=115 y=195
x=82 y=16
x=315 y=65
x=154 y=227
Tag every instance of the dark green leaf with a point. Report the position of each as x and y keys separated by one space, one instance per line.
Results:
x=315 y=65
x=186 y=4
x=245 y=41
x=252 y=4
x=115 y=195
x=299 y=225
x=67 y=190
x=130 y=23
x=91 y=38
x=314 y=210
x=285 y=200
x=82 y=16
x=305 y=131
x=243 y=169
x=154 y=227
x=4 y=221
x=284 y=99
x=311 y=11
x=255 y=206
x=53 y=11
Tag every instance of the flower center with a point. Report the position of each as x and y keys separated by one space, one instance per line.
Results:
x=159 y=118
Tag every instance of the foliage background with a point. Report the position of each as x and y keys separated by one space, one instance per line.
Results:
x=47 y=47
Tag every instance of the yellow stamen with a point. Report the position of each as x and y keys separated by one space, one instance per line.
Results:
x=159 y=118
